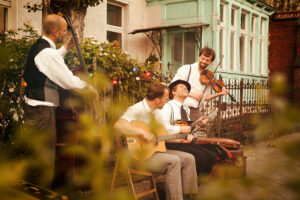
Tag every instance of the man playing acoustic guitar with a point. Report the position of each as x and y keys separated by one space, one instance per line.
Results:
x=179 y=167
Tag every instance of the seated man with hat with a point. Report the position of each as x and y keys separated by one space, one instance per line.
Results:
x=175 y=110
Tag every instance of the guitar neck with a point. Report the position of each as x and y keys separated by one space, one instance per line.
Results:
x=170 y=137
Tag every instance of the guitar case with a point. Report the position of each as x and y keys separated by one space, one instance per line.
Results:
x=238 y=159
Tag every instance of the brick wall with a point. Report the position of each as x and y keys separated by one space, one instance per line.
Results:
x=282 y=49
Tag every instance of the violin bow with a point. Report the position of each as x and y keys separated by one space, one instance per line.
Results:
x=210 y=80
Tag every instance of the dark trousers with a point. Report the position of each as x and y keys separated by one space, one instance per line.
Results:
x=41 y=120
x=205 y=158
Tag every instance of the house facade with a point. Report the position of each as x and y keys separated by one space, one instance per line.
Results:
x=174 y=30
x=235 y=29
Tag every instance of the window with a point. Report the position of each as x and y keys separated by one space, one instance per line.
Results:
x=222 y=36
x=3 y=19
x=232 y=48
x=233 y=14
x=222 y=45
x=114 y=15
x=262 y=49
x=233 y=38
x=243 y=41
x=253 y=24
x=252 y=57
x=261 y=66
x=222 y=13
x=183 y=49
x=242 y=52
x=113 y=36
x=189 y=48
x=243 y=21
x=262 y=26
x=114 y=23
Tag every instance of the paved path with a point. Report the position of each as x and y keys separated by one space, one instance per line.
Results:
x=268 y=171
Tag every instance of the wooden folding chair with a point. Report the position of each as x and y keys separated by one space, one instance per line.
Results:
x=131 y=180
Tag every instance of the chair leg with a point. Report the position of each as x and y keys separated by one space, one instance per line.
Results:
x=112 y=186
x=130 y=183
x=155 y=194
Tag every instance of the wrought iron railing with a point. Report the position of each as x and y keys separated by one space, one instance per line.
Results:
x=234 y=119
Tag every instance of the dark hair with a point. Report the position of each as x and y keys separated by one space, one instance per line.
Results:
x=207 y=52
x=156 y=90
x=171 y=96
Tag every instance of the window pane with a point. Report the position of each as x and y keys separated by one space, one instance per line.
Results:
x=261 y=57
x=189 y=48
x=243 y=21
x=262 y=26
x=251 y=54
x=221 y=46
x=253 y=24
x=113 y=36
x=221 y=13
x=114 y=15
x=232 y=50
x=242 y=53
x=176 y=45
x=232 y=17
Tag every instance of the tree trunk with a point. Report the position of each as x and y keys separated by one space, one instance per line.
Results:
x=77 y=17
x=45 y=8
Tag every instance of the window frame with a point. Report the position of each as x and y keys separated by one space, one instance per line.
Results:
x=262 y=39
x=5 y=21
x=116 y=29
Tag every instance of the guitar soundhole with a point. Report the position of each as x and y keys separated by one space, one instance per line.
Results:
x=131 y=140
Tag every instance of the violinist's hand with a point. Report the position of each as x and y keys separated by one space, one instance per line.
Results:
x=224 y=91
x=197 y=96
x=69 y=44
x=185 y=129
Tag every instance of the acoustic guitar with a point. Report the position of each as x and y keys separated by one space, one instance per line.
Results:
x=140 y=149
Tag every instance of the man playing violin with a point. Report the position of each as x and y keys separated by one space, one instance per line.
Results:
x=175 y=110
x=192 y=74
x=180 y=169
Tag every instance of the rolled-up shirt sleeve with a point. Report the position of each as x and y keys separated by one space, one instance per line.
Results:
x=62 y=51
x=163 y=116
x=51 y=63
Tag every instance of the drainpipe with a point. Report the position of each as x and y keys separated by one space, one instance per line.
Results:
x=297 y=67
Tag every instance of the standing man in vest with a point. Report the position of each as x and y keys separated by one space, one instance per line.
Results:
x=191 y=73
x=45 y=70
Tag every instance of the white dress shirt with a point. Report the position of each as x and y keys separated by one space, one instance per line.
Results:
x=194 y=81
x=139 y=112
x=50 y=62
x=165 y=117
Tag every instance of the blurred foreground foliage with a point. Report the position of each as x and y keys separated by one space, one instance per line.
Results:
x=273 y=170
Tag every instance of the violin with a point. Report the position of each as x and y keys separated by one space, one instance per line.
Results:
x=207 y=78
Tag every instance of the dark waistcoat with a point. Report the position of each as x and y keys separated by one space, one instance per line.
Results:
x=39 y=86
